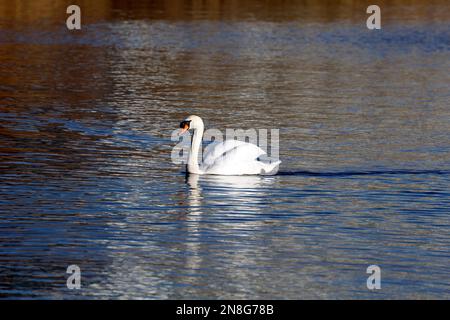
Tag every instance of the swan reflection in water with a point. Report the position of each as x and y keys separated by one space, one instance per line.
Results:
x=228 y=194
x=229 y=211
x=232 y=201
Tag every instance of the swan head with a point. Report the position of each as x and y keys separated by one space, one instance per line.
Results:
x=191 y=122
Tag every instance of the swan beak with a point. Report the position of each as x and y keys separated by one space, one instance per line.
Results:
x=183 y=129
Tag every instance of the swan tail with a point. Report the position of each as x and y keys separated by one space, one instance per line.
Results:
x=271 y=168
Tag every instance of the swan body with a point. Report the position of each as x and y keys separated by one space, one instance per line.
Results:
x=231 y=157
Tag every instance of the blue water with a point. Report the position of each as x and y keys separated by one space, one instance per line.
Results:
x=86 y=175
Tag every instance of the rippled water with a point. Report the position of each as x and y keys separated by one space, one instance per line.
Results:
x=86 y=175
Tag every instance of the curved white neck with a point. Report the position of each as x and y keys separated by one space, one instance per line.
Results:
x=192 y=164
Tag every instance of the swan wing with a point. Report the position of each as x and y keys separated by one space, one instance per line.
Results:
x=217 y=150
x=233 y=157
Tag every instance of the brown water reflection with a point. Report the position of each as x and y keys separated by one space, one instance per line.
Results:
x=47 y=12
x=86 y=177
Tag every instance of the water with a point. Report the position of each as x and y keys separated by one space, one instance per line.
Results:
x=86 y=175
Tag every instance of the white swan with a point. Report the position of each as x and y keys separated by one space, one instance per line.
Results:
x=230 y=157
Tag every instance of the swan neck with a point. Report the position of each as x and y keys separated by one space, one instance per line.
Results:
x=193 y=166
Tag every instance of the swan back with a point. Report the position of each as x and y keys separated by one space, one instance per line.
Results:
x=232 y=157
x=228 y=148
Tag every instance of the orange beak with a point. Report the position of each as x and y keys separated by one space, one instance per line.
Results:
x=183 y=129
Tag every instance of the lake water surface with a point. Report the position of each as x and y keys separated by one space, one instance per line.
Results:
x=86 y=175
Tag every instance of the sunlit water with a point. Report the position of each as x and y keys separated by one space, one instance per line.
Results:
x=86 y=174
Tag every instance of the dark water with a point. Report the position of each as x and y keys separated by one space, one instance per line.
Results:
x=86 y=174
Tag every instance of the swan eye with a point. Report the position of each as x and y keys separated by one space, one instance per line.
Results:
x=185 y=125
